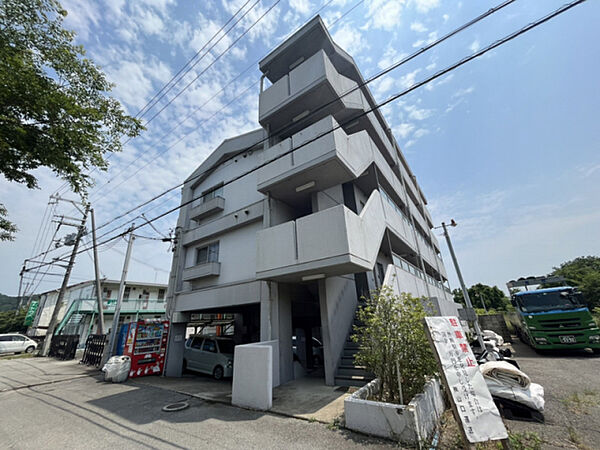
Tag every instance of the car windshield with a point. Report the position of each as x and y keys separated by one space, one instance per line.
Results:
x=547 y=301
x=226 y=346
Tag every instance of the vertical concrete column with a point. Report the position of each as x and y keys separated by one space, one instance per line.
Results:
x=276 y=324
x=174 y=363
x=326 y=334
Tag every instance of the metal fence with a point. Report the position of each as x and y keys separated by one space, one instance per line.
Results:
x=64 y=346
x=94 y=348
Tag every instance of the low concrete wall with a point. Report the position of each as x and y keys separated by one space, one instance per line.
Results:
x=495 y=322
x=409 y=424
x=253 y=376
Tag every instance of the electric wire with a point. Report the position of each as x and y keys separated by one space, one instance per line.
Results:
x=391 y=99
x=358 y=86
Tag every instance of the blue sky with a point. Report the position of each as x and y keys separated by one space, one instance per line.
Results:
x=507 y=145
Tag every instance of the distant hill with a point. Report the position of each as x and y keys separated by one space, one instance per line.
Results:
x=8 y=303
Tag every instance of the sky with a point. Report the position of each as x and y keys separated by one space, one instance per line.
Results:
x=507 y=145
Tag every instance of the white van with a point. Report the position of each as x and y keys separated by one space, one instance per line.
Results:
x=16 y=343
x=209 y=354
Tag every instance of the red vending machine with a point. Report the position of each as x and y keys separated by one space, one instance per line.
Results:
x=146 y=345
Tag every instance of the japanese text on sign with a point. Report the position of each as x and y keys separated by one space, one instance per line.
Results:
x=479 y=416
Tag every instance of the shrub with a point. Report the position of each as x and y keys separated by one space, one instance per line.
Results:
x=392 y=335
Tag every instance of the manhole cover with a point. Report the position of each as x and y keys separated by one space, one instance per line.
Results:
x=175 y=406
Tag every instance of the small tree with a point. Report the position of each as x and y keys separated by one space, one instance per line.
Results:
x=392 y=335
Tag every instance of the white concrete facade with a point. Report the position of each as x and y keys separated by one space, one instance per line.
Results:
x=290 y=224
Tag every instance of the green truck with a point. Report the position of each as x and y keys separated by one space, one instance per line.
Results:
x=554 y=318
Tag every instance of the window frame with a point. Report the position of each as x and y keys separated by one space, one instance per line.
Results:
x=212 y=253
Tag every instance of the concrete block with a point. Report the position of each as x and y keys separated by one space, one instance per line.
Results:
x=253 y=376
x=409 y=424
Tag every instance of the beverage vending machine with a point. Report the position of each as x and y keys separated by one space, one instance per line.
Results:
x=145 y=342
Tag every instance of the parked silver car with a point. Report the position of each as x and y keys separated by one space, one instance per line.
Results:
x=210 y=355
x=16 y=343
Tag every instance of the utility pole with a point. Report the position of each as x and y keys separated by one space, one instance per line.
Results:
x=20 y=287
x=462 y=284
x=100 y=329
x=115 y=324
x=63 y=288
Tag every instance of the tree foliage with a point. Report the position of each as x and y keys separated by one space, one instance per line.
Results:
x=7 y=228
x=393 y=331
x=493 y=297
x=9 y=323
x=584 y=273
x=54 y=107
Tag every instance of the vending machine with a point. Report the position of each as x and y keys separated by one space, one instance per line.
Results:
x=146 y=345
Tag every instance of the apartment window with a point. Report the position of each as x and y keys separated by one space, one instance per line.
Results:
x=106 y=293
x=161 y=294
x=145 y=295
x=208 y=253
x=126 y=293
x=212 y=193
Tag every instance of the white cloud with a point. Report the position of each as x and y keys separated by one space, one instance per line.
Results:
x=407 y=80
x=350 y=39
x=463 y=92
x=404 y=129
x=301 y=6
x=420 y=133
x=418 y=27
x=474 y=46
x=445 y=17
x=424 y=6
x=385 y=14
x=431 y=66
x=416 y=113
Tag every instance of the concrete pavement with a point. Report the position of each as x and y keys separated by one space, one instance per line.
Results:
x=23 y=372
x=572 y=393
x=88 y=413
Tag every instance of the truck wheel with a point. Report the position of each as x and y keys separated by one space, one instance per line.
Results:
x=218 y=373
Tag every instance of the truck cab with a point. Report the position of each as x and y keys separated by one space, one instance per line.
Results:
x=555 y=318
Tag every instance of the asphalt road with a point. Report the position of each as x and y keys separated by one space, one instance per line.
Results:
x=571 y=382
x=86 y=412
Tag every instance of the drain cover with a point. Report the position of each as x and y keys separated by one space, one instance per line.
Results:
x=172 y=407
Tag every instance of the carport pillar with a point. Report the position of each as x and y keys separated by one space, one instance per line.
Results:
x=328 y=365
x=276 y=323
x=174 y=363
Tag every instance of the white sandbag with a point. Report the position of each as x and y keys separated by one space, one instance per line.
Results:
x=117 y=368
x=532 y=396
x=489 y=335
x=506 y=373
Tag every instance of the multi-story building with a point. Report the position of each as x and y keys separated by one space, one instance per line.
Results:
x=79 y=311
x=288 y=226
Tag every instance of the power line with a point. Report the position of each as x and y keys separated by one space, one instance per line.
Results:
x=204 y=104
x=317 y=110
x=164 y=90
x=393 y=98
x=161 y=93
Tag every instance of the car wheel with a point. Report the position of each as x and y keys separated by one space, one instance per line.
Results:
x=30 y=349
x=218 y=373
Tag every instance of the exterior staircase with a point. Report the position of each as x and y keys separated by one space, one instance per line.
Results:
x=349 y=373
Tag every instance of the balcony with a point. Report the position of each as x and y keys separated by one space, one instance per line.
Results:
x=200 y=271
x=331 y=242
x=89 y=305
x=306 y=88
x=212 y=206
x=329 y=160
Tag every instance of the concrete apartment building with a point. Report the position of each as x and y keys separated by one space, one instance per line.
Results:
x=79 y=311
x=331 y=212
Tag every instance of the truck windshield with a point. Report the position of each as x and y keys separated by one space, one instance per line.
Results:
x=546 y=301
